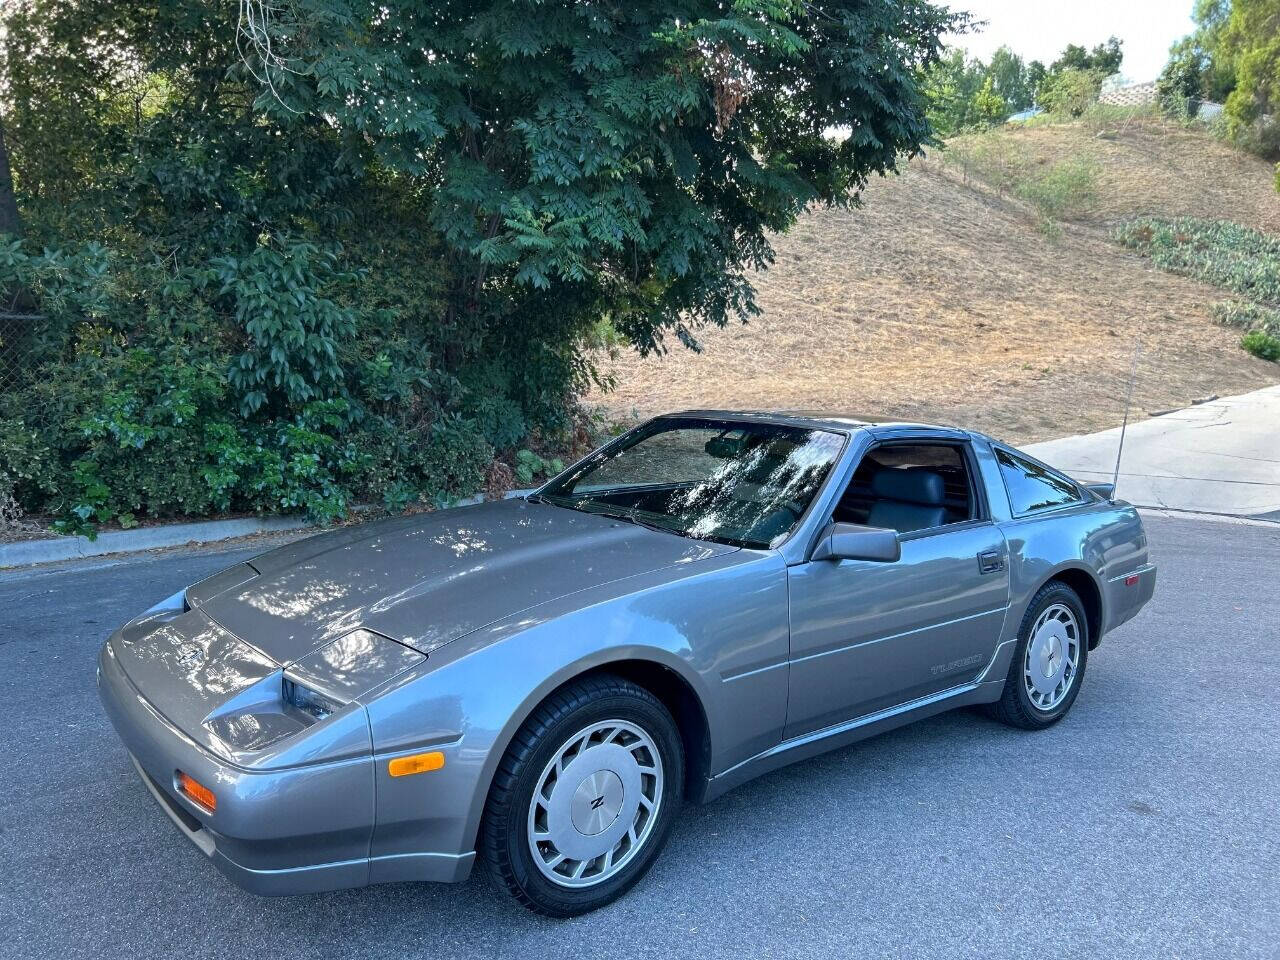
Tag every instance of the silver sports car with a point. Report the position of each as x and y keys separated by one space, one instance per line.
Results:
x=543 y=681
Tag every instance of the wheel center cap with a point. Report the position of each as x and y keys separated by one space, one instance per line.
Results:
x=1052 y=659
x=596 y=802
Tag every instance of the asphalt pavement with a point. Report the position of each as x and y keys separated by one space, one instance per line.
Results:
x=1144 y=825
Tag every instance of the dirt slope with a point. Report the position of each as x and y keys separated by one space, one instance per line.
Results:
x=938 y=302
x=1151 y=167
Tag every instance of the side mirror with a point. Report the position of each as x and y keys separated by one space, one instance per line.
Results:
x=852 y=541
x=1107 y=491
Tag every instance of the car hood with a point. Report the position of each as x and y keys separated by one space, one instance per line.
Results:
x=427 y=579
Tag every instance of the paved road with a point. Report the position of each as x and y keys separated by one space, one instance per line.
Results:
x=1218 y=457
x=1143 y=826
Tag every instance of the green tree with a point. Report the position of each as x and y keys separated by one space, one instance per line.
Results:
x=1182 y=80
x=1069 y=93
x=287 y=254
x=1104 y=58
x=988 y=106
x=1250 y=41
x=624 y=159
x=1233 y=56
x=965 y=93
x=1218 y=75
x=10 y=219
x=951 y=85
x=1037 y=72
x=1011 y=79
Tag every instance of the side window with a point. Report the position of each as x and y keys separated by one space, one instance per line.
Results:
x=910 y=486
x=1032 y=487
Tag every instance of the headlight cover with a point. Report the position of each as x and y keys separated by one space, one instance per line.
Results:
x=291 y=700
x=353 y=664
x=177 y=603
x=155 y=616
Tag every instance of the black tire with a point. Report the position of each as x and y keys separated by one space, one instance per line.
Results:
x=504 y=840
x=1015 y=706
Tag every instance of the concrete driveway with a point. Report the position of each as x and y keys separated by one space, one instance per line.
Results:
x=1142 y=826
x=1218 y=457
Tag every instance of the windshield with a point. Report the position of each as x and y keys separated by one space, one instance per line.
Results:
x=746 y=484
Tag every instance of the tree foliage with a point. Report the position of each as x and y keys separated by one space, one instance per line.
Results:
x=288 y=254
x=1012 y=80
x=1070 y=92
x=965 y=93
x=634 y=155
x=1233 y=56
x=1104 y=59
x=1251 y=43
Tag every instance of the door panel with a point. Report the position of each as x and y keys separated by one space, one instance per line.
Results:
x=866 y=636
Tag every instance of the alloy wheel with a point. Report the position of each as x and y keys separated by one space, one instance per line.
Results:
x=1053 y=657
x=595 y=803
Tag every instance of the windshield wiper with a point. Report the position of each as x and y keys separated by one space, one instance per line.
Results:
x=630 y=517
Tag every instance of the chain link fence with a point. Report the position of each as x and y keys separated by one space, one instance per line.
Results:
x=17 y=347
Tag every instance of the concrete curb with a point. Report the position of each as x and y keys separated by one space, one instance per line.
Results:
x=31 y=553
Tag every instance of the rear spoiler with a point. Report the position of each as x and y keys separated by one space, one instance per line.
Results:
x=1107 y=491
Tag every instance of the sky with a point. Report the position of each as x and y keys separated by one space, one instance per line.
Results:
x=1039 y=29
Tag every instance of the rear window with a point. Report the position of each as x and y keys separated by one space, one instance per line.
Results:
x=1032 y=487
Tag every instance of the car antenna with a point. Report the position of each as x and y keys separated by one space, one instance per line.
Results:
x=1124 y=425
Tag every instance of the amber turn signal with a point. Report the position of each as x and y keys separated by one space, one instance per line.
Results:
x=197 y=791
x=416 y=763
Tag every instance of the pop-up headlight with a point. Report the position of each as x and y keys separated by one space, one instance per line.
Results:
x=340 y=671
x=287 y=702
x=311 y=702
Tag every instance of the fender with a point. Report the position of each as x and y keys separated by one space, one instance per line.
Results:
x=478 y=690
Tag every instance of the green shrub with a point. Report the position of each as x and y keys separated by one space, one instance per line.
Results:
x=1061 y=190
x=283 y=267
x=530 y=465
x=1247 y=316
x=1262 y=345
x=142 y=434
x=1219 y=252
x=1069 y=93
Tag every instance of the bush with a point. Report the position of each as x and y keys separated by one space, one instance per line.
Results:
x=1225 y=254
x=1262 y=345
x=1069 y=93
x=1058 y=191
x=1066 y=189
x=1247 y=316
x=1219 y=252
x=287 y=261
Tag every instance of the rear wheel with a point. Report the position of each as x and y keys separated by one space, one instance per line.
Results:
x=1049 y=661
x=584 y=798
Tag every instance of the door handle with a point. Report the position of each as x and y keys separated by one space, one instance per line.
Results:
x=990 y=561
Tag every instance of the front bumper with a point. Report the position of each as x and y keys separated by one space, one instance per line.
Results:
x=296 y=830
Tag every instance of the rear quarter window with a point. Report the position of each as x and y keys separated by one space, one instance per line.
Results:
x=1032 y=487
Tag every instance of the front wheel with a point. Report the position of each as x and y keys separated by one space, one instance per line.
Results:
x=1048 y=662
x=584 y=798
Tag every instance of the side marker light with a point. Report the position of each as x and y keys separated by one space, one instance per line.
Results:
x=415 y=763
x=197 y=791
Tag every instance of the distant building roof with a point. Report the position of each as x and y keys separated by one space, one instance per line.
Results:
x=1024 y=115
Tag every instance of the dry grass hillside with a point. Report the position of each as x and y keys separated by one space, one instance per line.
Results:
x=946 y=300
